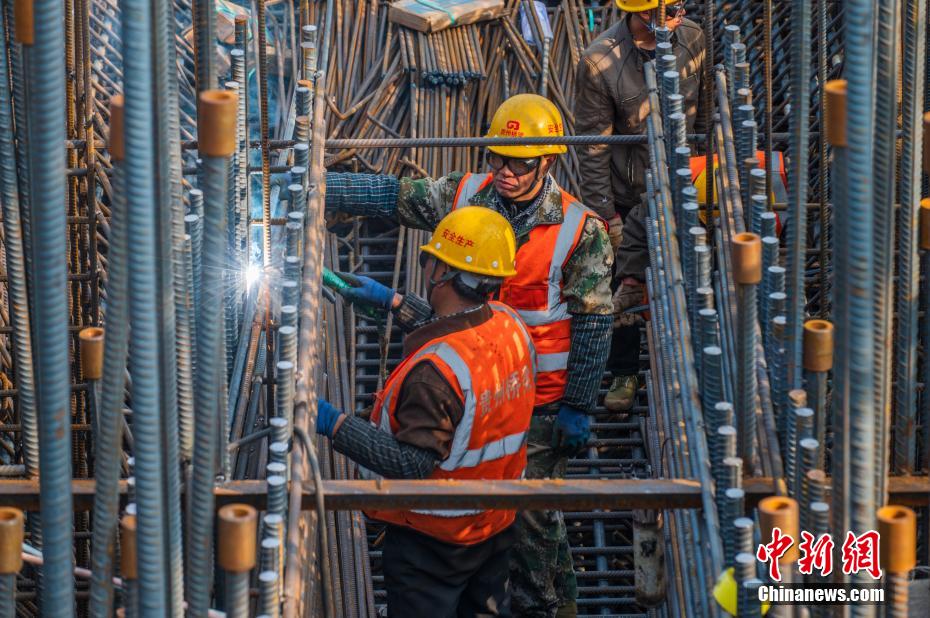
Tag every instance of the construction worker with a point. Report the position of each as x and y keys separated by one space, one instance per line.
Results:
x=611 y=98
x=779 y=184
x=458 y=406
x=561 y=290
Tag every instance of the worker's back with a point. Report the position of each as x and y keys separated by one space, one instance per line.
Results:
x=492 y=367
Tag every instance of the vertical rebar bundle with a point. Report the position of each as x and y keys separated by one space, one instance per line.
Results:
x=908 y=289
x=217 y=143
x=43 y=48
x=850 y=129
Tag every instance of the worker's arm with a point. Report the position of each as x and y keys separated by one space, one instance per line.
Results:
x=370 y=195
x=411 y=312
x=427 y=412
x=633 y=254
x=586 y=288
x=381 y=452
x=419 y=203
x=594 y=113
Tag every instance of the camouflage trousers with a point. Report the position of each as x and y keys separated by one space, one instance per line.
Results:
x=542 y=578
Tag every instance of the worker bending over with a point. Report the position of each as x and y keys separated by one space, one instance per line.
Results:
x=561 y=290
x=611 y=98
x=458 y=406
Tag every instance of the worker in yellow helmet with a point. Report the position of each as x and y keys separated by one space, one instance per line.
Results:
x=726 y=593
x=611 y=98
x=779 y=182
x=561 y=290
x=430 y=421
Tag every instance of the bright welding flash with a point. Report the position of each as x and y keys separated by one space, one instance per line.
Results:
x=252 y=274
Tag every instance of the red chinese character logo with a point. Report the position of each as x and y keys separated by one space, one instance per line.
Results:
x=861 y=553
x=771 y=552
x=447 y=235
x=816 y=554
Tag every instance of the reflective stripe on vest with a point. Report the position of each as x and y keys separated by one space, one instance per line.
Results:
x=549 y=321
x=468 y=187
x=527 y=338
x=460 y=456
x=779 y=189
x=557 y=309
x=497 y=393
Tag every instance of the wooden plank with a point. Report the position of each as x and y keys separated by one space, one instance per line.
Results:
x=567 y=494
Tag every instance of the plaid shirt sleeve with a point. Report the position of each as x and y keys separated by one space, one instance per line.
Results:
x=418 y=203
x=378 y=451
x=370 y=195
x=587 y=277
x=587 y=358
x=412 y=312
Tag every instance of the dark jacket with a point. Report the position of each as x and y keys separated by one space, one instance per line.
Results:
x=611 y=98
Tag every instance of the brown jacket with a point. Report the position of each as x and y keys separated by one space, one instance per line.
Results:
x=611 y=98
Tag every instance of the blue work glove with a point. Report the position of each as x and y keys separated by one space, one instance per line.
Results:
x=572 y=428
x=367 y=292
x=326 y=418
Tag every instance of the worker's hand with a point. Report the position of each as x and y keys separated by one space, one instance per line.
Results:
x=367 y=292
x=572 y=428
x=631 y=293
x=327 y=417
x=615 y=231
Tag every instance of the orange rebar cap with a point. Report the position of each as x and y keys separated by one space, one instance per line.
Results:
x=818 y=345
x=746 y=251
x=24 y=22
x=236 y=537
x=897 y=527
x=780 y=512
x=835 y=99
x=91 y=348
x=216 y=122
x=117 y=138
x=11 y=540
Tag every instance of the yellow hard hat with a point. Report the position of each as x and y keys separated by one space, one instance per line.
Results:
x=700 y=183
x=475 y=240
x=700 y=180
x=527 y=115
x=726 y=593
x=637 y=6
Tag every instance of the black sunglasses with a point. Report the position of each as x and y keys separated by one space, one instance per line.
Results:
x=520 y=167
x=672 y=11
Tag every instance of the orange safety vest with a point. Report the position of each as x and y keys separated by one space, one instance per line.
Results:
x=492 y=368
x=536 y=290
x=779 y=189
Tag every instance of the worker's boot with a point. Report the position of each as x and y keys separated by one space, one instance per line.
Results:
x=622 y=393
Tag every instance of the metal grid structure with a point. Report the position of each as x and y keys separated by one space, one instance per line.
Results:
x=212 y=391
